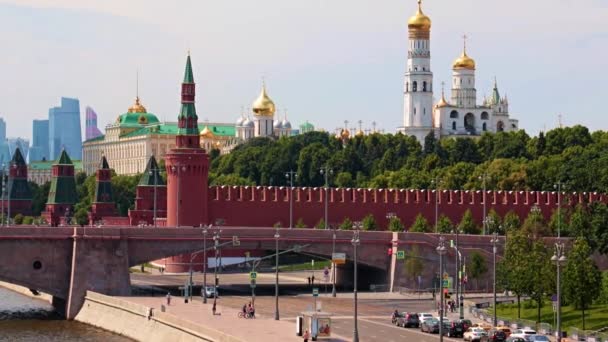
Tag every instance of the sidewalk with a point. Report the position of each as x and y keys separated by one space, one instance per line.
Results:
x=226 y=320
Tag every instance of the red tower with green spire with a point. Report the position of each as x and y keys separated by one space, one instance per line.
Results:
x=187 y=165
x=62 y=194
x=18 y=190
x=103 y=204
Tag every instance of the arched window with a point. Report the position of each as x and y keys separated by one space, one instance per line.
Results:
x=500 y=126
x=469 y=122
x=453 y=114
x=424 y=86
x=454 y=125
x=485 y=116
x=407 y=87
x=485 y=127
x=415 y=86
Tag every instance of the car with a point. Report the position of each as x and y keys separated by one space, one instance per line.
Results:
x=409 y=320
x=507 y=330
x=430 y=325
x=537 y=338
x=475 y=334
x=523 y=333
x=515 y=339
x=424 y=315
x=497 y=335
x=210 y=292
x=485 y=326
x=456 y=329
x=466 y=323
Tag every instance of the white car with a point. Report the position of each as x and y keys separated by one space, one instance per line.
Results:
x=475 y=335
x=425 y=315
x=537 y=338
x=210 y=292
x=523 y=333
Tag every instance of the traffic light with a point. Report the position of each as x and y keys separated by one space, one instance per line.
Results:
x=446 y=294
x=390 y=251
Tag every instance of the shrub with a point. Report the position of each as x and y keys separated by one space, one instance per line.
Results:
x=347 y=224
x=369 y=222
x=300 y=223
x=18 y=219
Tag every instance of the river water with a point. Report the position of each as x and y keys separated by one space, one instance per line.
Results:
x=27 y=319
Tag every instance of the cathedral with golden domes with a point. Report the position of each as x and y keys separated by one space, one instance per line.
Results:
x=461 y=115
x=263 y=123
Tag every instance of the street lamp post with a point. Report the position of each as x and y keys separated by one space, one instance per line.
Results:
x=205 y=264
x=559 y=259
x=457 y=285
x=441 y=250
x=276 y=276
x=3 y=192
x=290 y=175
x=325 y=171
x=355 y=241
x=9 y=189
x=333 y=264
x=494 y=242
x=216 y=243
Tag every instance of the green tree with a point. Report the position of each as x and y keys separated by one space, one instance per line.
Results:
x=369 y=222
x=599 y=225
x=582 y=279
x=514 y=270
x=320 y=224
x=511 y=222
x=395 y=224
x=603 y=296
x=420 y=225
x=18 y=219
x=580 y=225
x=124 y=192
x=535 y=226
x=344 y=180
x=467 y=224
x=28 y=220
x=477 y=267
x=347 y=224
x=540 y=276
x=413 y=263
x=300 y=223
x=40 y=194
x=494 y=224
x=81 y=217
x=444 y=225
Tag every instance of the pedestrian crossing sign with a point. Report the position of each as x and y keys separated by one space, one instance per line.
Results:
x=400 y=255
x=253 y=275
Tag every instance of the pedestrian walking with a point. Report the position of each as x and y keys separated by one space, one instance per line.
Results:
x=306 y=336
x=168 y=298
x=213 y=308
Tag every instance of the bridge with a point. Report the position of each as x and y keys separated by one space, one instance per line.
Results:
x=65 y=262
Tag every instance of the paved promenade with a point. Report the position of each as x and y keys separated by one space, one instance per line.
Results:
x=261 y=329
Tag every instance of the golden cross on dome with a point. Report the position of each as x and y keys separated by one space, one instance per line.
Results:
x=442 y=88
x=464 y=39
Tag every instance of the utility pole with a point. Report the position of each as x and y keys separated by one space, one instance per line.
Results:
x=290 y=175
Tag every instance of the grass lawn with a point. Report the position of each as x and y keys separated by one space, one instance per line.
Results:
x=596 y=317
x=319 y=265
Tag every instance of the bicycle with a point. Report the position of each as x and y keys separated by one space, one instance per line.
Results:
x=241 y=314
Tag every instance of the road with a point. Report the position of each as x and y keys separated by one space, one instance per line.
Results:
x=374 y=309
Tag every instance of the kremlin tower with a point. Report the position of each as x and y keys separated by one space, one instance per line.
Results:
x=187 y=165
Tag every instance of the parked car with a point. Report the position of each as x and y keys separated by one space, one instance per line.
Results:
x=537 y=338
x=507 y=330
x=523 y=333
x=466 y=324
x=475 y=334
x=497 y=335
x=456 y=329
x=409 y=320
x=485 y=326
x=430 y=325
x=516 y=339
x=424 y=315
x=210 y=292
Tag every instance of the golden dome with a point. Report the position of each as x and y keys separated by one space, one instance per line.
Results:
x=345 y=134
x=464 y=62
x=359 y=133
x=263 y=105
x=206 y=133
x=442 y=103
x=419 y=21
x=137 y=107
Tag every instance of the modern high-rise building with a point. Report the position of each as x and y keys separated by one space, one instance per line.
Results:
x=64 y=129
x=18 y=143
x=40 y=141
x=91 y=130
x=2 y=129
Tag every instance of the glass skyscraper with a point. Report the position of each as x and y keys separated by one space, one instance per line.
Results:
x=64 y=129
x=40 y=141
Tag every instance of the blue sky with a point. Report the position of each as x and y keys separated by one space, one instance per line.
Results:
x=326 y=61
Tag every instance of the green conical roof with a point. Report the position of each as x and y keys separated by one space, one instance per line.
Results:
x=18 y=158
x=104 y=164
x=495 y=94
x=188 y=77
x=152 y=175
x=64 y=159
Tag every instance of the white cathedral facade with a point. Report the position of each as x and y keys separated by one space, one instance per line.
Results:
x=461 y=115
x=263 y=123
